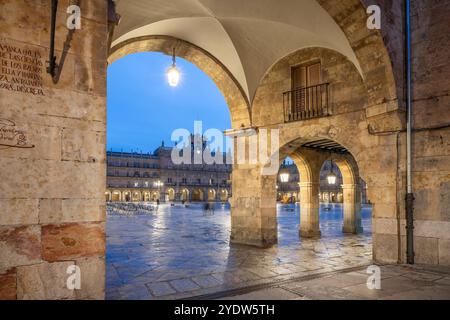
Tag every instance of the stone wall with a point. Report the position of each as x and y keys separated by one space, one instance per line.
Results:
x=431 y=119
x=431 y=141
x=52 y=152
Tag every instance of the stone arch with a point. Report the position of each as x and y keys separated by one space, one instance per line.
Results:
x=376 y=112
x=307 y=163
x=184 y=194
x=136 y=196
x=223 y=195
x=211 y=195
x=108 y=196
x=155 y=195
x=198 y=194
x=233 y=93
x=171 y=194
x=351 y=191
x=126 y=196
x=116 y=196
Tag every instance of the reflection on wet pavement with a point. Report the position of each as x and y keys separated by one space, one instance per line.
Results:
x=180 y=252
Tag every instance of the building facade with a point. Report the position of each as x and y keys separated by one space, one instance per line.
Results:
x=133 y=177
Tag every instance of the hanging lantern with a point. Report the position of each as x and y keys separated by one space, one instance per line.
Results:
x=331 y=177
x=284 y=175
x=173 y=74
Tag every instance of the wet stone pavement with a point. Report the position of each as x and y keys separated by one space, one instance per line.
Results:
x=180 y=252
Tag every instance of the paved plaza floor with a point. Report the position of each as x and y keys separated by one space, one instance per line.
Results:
x=180 y=252
x=398 y=282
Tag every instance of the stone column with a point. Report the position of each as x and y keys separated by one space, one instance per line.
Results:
x=309 y=210
x=352 y=208
x=253 y=207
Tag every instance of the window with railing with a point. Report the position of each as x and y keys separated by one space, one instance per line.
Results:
x=306 y=103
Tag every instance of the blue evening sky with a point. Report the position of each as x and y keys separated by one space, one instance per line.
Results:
x=143 y=109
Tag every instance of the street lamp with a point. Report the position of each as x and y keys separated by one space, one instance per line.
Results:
x=173 y=74
x=284 y=175
x=331 y=177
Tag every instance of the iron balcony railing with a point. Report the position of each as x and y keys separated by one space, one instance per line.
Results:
x=306 y=103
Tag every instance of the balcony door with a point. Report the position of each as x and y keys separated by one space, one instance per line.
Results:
x=305 y=79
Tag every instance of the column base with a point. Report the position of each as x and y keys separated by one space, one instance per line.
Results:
x=352 y=229
x=254 y=243
x=310 y=233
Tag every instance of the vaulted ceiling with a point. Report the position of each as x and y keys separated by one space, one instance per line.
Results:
x=248 y=37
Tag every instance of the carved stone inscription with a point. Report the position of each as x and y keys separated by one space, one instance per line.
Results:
x=21 y=69
x=11 y=136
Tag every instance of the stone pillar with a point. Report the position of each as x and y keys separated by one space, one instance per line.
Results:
x=253 y=207
x=46 y=223
x=309 y=210
x=352 y=208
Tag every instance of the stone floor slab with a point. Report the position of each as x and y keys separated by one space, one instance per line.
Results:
x=184 y=285
x=180 y=250
x=159 y=289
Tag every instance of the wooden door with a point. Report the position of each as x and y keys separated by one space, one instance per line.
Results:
x=305 y=95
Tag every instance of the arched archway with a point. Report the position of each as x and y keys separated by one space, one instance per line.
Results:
x=329 y=192
x=126 y=196
x=108 y=196
x=116 y=196
x=171 y=194
x=225 y=81
x=155 y=195
x=211 y=195
x=198 y=195
x=223 y=195
x=349 y=67
x=310 y=158
x=136 y=196
x=355 y=116
x=184 y=196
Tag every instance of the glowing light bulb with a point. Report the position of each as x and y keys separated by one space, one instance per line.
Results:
x=284 y=177
x=173 y=76
x=331 y=178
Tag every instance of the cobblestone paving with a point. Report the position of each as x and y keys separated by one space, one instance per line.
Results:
x=397 y=283
x=181 y=252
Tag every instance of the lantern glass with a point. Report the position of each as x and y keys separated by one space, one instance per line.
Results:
x=331 y=178
x=173 y=76
x=284 y=177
